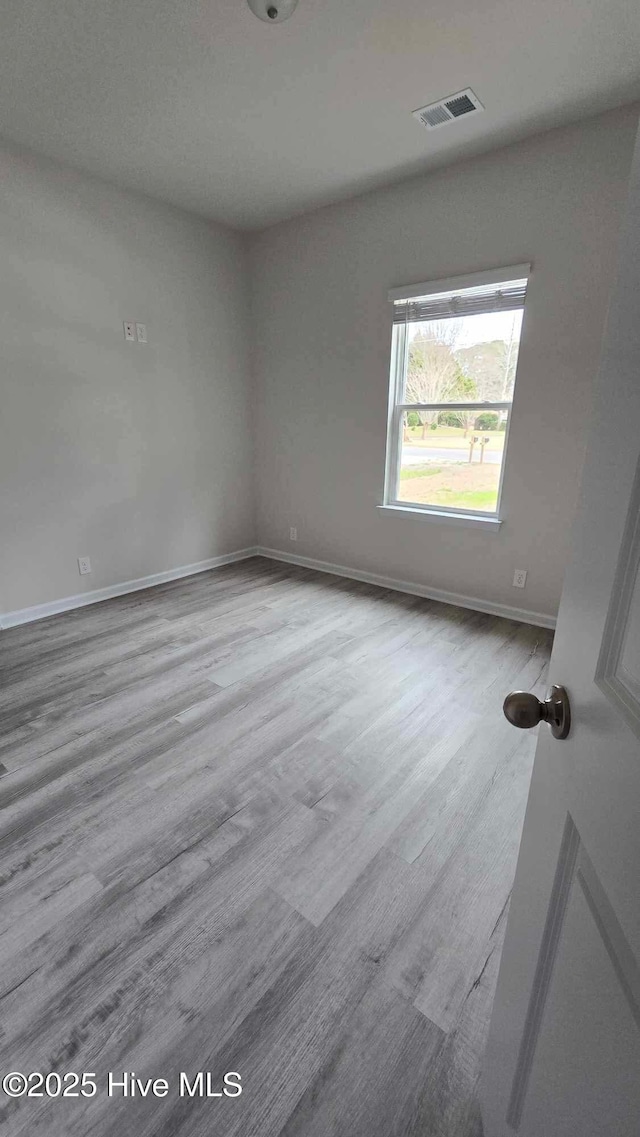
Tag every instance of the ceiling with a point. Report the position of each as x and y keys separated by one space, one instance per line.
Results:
x=201 y=104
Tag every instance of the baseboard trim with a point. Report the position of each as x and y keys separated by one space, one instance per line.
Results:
x=68 y=603
x=539 y=619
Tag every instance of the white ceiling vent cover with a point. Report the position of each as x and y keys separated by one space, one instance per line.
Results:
x=460 y=105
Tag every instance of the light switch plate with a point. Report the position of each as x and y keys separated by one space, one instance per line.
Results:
x=129 y=331
x=141 y=332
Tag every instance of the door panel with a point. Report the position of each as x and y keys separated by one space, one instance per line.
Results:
x=564 y=1045
x=588 y=997
x=587 y=972
x=618 y=671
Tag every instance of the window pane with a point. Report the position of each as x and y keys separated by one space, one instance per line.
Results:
x=452 y=460
x=467 y=360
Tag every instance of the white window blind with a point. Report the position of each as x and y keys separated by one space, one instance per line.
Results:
x=500 y=290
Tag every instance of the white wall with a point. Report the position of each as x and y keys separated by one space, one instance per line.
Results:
x=139 y=456
x=321 y=330
x=143 y=457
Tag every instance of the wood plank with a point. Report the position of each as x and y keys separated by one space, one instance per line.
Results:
x=259 y=819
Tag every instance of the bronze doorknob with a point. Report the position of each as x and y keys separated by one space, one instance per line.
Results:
x=524 y=710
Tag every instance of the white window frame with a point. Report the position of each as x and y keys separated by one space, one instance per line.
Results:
x=399 y=359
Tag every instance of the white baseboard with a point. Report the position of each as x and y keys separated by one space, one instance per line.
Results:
x=67 y=603
x=540 y=619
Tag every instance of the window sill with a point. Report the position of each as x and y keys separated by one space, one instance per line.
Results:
x=469 y=520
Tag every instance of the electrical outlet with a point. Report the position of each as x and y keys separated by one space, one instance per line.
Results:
x=519 y=578
x=141 y=332
x=84 y=565
x=129 y=331
x=293 y=533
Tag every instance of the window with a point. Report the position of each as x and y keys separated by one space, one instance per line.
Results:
x=454 y=356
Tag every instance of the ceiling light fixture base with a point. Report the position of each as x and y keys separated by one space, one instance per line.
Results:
x=273 y=11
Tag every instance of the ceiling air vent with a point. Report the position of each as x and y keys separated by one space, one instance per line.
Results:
x=460 y=105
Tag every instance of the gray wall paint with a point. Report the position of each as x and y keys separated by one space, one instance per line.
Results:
x=321 y=330
x=139 y=456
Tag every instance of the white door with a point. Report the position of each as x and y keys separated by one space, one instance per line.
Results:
x=563 y=1058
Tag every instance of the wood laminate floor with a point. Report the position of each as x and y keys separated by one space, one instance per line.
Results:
x=261 y=820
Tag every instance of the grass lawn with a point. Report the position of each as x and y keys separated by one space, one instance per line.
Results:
x=419 y=472
x=460 y=485
x=469 y=499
